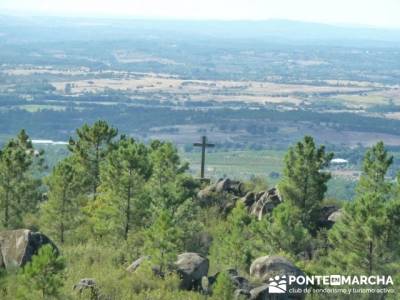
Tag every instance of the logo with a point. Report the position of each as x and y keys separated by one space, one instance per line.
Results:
x=335 y=280
x=277 y=285
x=281 y=284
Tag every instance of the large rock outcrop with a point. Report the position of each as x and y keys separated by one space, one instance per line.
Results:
x=191 y=267
x=213 y=194
x=18 y=246
x=263 y=203
x=269 y=269
x=225 y=193
x=231 y=186
x=249 y=199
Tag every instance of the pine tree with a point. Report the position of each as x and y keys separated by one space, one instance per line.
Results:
x=375 y=166
x=91 y=149
x=123 y=203
x=19 y=190
x=284 y=222
x=231 y=246
x=223 y=288
x=304 y=182
x=163 y=240
x=188 y=216
x=360 y=240
x=61 y=213
x=365 y=239
x=44 y=274
x=169 y=186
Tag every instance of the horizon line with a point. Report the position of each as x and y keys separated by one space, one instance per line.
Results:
x=31 y=14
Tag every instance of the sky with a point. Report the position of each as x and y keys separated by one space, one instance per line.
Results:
x=374 y=13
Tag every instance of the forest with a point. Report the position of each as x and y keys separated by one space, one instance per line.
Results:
x=125 y=220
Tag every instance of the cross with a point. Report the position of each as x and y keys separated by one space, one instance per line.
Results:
x=203 y=146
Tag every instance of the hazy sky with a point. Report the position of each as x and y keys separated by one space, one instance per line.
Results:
x=382 y=13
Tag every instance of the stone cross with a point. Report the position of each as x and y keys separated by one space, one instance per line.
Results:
x=203 y=146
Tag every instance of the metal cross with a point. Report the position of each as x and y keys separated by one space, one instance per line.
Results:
x=203 y=146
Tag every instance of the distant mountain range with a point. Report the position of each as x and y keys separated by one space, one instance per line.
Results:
x=56 y=28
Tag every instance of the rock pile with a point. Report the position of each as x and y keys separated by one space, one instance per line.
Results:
x=212 y=193
x=226 y=193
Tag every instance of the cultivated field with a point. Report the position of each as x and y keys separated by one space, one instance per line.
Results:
x=197 y=90
x=171 y=87
x=238 y=164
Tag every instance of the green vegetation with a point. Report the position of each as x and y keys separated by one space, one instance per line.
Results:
x=304 y=182
x=239 y=164
x=61 y=213
x=114 y=199
x=44 y=275
x=224 y=288
x=18 y=188
x=285 y=221
x=367 y=239
x=231 y=240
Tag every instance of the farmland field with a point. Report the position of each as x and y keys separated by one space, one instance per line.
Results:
x=238 y=164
